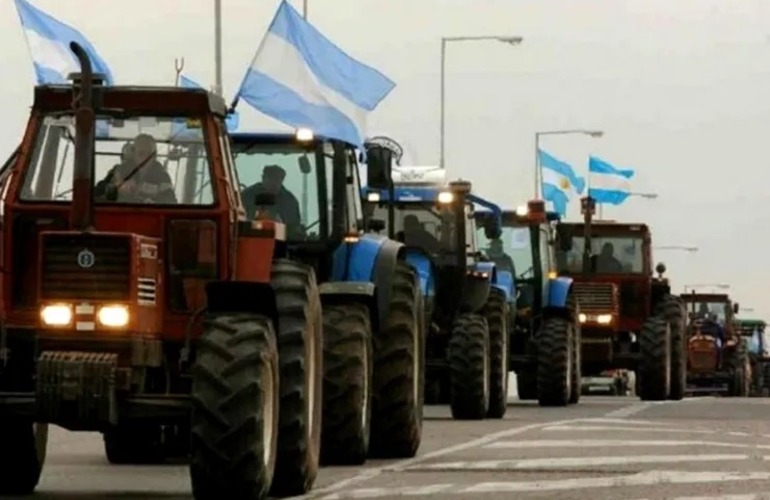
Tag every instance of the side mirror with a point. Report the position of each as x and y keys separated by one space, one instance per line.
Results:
x=564 y=237
x=379 y=161
x=660 y=268
x=265 y=199
x=376 y=225
x=736 y=308
x=304 y=165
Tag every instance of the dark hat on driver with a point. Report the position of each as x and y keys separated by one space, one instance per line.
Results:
x=274 y=172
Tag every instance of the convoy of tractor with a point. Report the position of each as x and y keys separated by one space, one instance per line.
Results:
x=214 y=316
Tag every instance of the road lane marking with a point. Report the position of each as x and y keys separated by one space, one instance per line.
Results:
x=564 y=462
x=649 y=478
x=635 y=408
x=750 y=496
x=604 y=428
x=621 y=421
x=610 y=443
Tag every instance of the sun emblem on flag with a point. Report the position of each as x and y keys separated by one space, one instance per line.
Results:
x=564 y=184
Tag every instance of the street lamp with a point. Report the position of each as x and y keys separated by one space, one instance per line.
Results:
x=721 y=286
x=677 y=247
x=538 y=174
x=510 y=40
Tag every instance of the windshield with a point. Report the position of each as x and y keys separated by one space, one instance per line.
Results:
x=423 y=225
x=610 y=254
x=511 y=252
x=708 y=310
x=142 y=159
x=289 y=170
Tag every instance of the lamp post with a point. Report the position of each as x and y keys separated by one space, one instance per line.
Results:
x=510 y=40
x=538 y=174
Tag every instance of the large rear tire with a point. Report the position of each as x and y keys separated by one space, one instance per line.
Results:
x=673 y=310
x=22 y=455
x=235 y=408
x=300 y=355
x=655 y=359
x=496 y=312
x=347 y=407
x=740 y=370
x=469 y=367
x=554 y=362
x=576 y=373
x=399 y=371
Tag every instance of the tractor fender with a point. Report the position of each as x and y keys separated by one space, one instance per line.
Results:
x=507 y=284
x=475 y=291
x=346 y=292
x=242 y=296
x=557 y=292
x=421 y=262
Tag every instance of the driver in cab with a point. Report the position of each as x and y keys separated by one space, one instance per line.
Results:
x=286 y=204
x=606 y=262
x=139 y=177
x=416 y=235
x=502 y=260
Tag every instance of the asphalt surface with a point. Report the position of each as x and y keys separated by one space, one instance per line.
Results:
x=603 y=448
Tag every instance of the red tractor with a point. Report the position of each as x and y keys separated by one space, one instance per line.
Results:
x=149 y=308
x=717 y=357
x=629 y=318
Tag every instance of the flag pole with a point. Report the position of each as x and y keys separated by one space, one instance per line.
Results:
x=218 y=45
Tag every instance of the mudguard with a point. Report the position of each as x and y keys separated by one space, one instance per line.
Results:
x=556 y=292
x=475 y=293
x=241 y=296
x=424 y=268
x=371 y=259
x=507 y=284
x=351 y=291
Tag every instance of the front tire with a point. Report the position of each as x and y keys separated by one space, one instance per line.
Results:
x=673 y=310
x=347 y=407
x=469 y=367
x=233 y=447
x=496 y=312
x=554 y=362
x=399 y=371
x=655 y=361
x=22 y=455
x=300 y=354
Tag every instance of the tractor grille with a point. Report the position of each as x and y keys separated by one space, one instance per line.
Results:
x=104 y=277
x=595 y=298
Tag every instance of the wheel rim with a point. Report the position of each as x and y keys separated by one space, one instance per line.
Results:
x=268 y=415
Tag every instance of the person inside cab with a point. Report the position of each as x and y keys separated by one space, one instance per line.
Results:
x=606 y=262
x=139 y=178
x=286 y=204
x=502 y=260
x=416 y=235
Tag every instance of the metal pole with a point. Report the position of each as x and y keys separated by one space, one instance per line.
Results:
x=304 y=9
x=218 y=45
x=443 y=99
x=537 y=165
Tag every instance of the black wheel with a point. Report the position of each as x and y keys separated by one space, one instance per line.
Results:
x=469 y=367
x=655 y=359
x=576 y=372
x=673 y=310
x=134 y=443
x=399 y=371
x=496 y=312
x=235 y=408
x=526 y=385
x=554 y=362
x=347 y=406
x=300 y=356
x=738 y=363
x=22 y=455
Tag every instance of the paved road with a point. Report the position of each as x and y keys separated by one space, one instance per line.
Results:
x=604 y=448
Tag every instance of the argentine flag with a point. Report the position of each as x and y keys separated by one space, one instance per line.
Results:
x=302 y=79
x=606 y=183
x=49 y=45
x=559 y=180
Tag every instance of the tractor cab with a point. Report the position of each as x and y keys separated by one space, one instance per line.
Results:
x=709 y=311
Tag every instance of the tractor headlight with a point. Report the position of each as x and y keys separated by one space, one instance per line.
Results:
x=56 y=314
x=446 y=197
x=373 y=197
x=582 y=317
x=304 y=135
x=604 y=319
x=113 y=316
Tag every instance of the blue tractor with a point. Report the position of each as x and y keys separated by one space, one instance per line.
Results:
x=545 y=343
x=468 y=301
x=370 y=400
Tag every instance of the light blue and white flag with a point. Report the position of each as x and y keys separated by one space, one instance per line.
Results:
x=302 y=79
x=49 y=45
x=608 y=184
x=232 y=119
x=559 y=181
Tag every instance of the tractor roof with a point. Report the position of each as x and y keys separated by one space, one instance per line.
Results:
x=155 y=100
x=610 y=227
x=511 y=217
x=705 y=297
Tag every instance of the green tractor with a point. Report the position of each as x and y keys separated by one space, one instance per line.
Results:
x=752 y=331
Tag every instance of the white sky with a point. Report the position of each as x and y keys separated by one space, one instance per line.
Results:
x=678 y=87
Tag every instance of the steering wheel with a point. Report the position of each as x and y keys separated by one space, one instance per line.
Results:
x=522 y=275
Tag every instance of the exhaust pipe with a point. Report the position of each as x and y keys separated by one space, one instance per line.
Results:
x=82 y=215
